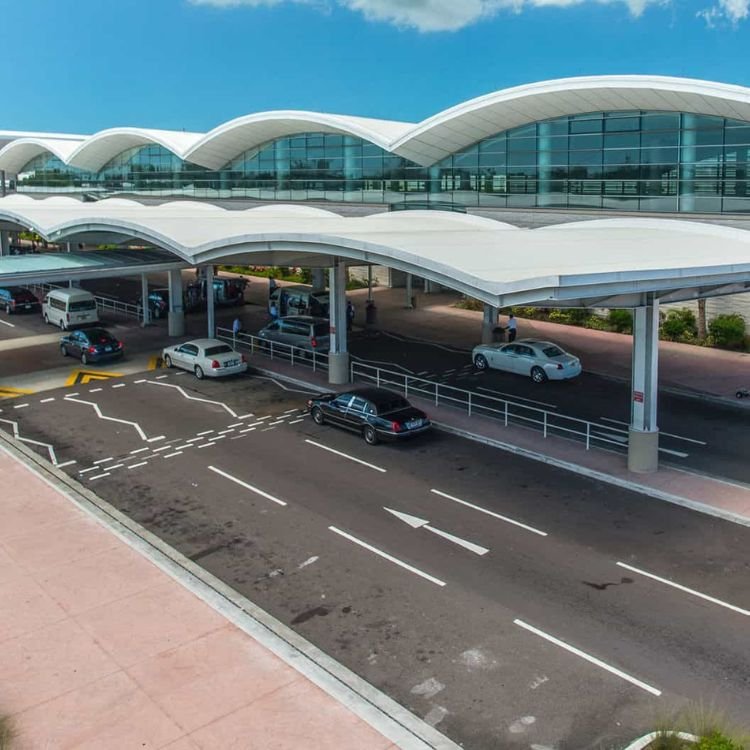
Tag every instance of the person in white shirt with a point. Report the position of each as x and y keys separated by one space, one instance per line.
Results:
x=512 y=328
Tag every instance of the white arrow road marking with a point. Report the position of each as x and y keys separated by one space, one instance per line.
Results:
x=246 y=485
x=589 y=658
x=17 y=435
x=194 y=398
x=388 y=557
x=685 y=589
x=490 y=513
x=417 y=523
x=345 y=455
x=98 y=411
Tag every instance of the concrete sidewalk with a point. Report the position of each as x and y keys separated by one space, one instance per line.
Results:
x=109 y=639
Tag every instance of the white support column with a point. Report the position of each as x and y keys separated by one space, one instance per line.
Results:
x=338 y=356
x=643 y=443
x=409 y=304
x=176 y=315
x=210 y=307
x=489 y=321
x=369 y=283
x=145 y=311
x=319 y=279
x=4 y=242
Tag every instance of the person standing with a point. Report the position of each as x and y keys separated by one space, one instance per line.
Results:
x=273 y=311
x=512 y=327
x=271 y=285
x=349 y=315
x=236 y=329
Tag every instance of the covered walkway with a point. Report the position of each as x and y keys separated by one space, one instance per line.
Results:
x=626 y=263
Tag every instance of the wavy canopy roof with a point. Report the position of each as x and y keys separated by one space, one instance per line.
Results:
x=606 y=263
x=424 y=143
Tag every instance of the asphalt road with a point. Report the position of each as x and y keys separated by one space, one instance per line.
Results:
x=458 y=634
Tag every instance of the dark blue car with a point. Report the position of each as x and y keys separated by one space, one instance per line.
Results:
x=91 y=345
x=374 y=413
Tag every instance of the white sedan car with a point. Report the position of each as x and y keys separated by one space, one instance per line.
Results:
x=205 y=358
x=540 y=360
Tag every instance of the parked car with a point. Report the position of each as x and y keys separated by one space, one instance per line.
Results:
x=91 y=345
x=302 y=331
x=540 y=360
x=205 y=358
x=17 y=299
x=375 y=413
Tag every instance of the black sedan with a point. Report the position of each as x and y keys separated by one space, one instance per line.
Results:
x=91 y=345
x=375 y=413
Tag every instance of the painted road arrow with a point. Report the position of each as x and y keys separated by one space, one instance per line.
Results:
x=423 y=523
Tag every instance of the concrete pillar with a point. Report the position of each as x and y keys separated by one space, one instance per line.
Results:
x=489 y=321
x=4 y=242
x=210 y=307
x=176 y=315
x=408 y=288
x=369 y=283
x=643 y=442
x=338 y=356
x=146 y=310
x=687 y=163
x=319 y=279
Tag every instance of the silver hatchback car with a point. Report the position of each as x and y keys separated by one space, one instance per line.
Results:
x=302 y=331
x=539 y=360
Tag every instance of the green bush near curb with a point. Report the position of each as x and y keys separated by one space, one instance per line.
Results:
x=7 y=733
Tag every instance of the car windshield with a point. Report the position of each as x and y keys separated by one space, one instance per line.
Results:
x=320 y=329
x=553 y=351
x=220 y=349
x=392 y=404
x=86 y=304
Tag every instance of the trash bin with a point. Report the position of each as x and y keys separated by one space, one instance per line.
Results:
x=498 y=334
x=371 y=314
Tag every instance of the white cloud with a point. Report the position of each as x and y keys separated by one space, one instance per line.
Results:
x=451 y=15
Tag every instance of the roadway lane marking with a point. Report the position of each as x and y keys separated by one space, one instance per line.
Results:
x=592 y=659
x=20 y=406
x=155 y=439
x=161 y=377
x=181 y=390
x=17 y=436
x=236 y=424
x=140 y=450
x=679 y=454
x=224 y=432
x=345 y=455
x=205 y=445
x=163 y=448
x=249 y=429
x=95 y=390
x=104 y=460
x=47 y=400
x=114 y=466
x=290 y=411
x=218 y=437
x=99 y=476
x=182 y=447
x=205 y=432
x=119 y=385
x=142 y=380
x=91 y=468
x=195 y=440
x=388 y=557
x=423 y=523
x=685 y=589
x=135 y=466
x=490 y=513
x=666 y=434
x=5 y=323
x=66 y=463
x=245 y=416
x=278 y=421
x=247 y=486
x=172 y=455
x=514 y=397
x=297 y=421
x=98 y=411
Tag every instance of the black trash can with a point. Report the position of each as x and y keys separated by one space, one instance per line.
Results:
x=498 y=334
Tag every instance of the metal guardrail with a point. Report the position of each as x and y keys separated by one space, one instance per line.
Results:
x=504 y=410
x=103 y=304
x=295 y=355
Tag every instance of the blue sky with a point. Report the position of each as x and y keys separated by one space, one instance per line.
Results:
x=84 y=65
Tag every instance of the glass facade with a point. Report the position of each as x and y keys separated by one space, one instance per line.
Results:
x=628 y=161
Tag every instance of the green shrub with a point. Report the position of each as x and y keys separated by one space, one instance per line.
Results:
x=727 y=331
x=530 y=313
x=597 y=323
x=667 y=739
x=717 y=741
x=559 y=316
x=679 y=325
x=620 y=321
x=7 y=733
x=469 y=303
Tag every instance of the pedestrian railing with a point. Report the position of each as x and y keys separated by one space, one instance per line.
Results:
x=504 y=410
x=103 y=304
x=295 y=355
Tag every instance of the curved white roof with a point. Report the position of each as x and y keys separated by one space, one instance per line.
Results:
x=18 y=153
x=611 y=264
x=434 y=138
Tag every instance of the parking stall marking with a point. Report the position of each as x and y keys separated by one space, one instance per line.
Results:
x=588 y=657
x=247 y=486
x=388 y=557
x=346 y=455
x=685 y=589
x=490 y=513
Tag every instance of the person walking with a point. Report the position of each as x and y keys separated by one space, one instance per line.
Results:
x=512 y=327
x=349 y=315
x=236 y=329
x=273 y=311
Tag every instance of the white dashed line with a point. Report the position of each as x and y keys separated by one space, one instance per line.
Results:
x=218 y=437
x=247 y=486
x=268 y=416
x=155 y=439
x=236 y=424
x=115 y=466
x=66 y=463
x=345 y=455
x=245 y=416
x=296 y=421
x=162 y=448
x=95 y=390
x=91 y=468
x=194 y=440
x=589 y=658
x=291 y=411
x=678 y=586
x=119 y=385
x=386 y=556
x=140 y=450
x=278 y=421
x=135 y=466
x=142 y=380
x=5 y=323
x=249 y=429
x=104 y=460
x=180 y=373
x=99 y=476
x=205 y=445
x=47 y=400
x=20 y=406
x=224 y=432
x=205 y=432
x=172 y=455
x=70 y=395
x=183 y=447
x=161 y=377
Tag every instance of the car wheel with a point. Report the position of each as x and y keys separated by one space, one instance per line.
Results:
x=538 y=375
x=198 y=372
x=84 y=358
x=369 y=434
x=64 y=351
x=317 y=415
x=480 y=362
x=168 y=362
